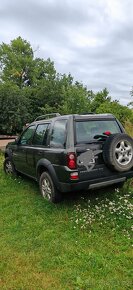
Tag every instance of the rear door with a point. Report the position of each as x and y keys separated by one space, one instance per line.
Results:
x=89 y=146
x=39 y=146
x=21 y=149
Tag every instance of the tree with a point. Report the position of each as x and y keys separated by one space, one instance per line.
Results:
x=130 y=104
x=13 y=108
x=98 y=99
x=18 y=65
x=16 y=62
x=34 y=77
x=123 y=113
x=75 y=99
x=30 y=87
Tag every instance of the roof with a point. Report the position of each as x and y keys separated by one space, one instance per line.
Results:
x=76 y=117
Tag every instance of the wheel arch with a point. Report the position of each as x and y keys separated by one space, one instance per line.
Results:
x=6 y=155
x=44 y=165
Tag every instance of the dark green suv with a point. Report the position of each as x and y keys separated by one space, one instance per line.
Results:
x=72 y=152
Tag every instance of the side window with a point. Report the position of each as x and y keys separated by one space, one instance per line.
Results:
x=40 y=136
x=58 y=135
x=26 y=138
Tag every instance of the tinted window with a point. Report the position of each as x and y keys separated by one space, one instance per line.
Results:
x=58 y=135
x=26 y=138
x=40 y=136
x=86 y=130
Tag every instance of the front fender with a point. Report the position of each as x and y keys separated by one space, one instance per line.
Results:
x=8 y=152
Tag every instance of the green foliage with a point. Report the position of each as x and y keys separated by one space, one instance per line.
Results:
x=16 y=61
x=75 y=100
x=13 y=108
x=98 y=99
x=123 y=113
x=128 y=125
x=30 y=87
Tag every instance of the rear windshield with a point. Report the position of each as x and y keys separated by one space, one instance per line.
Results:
x=86 y=130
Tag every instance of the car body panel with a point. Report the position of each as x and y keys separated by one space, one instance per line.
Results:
x=32 y=160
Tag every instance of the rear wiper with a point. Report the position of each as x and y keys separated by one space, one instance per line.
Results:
x=100 y=137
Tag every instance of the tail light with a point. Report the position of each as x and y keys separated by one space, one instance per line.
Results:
x=71 y=160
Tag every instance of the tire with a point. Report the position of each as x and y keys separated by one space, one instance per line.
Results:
x=48 y=189
x=9 y=167
x=121 y=184
x=118 y=152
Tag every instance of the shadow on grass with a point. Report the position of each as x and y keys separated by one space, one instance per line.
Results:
x=69 y=199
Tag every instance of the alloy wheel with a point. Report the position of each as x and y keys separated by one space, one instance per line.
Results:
x=8 y=167
x=123 y=152
x=46 y=189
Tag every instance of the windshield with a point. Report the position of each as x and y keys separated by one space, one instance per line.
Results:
x=86 y=130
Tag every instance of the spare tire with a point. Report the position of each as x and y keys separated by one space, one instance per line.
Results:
x=118 y=152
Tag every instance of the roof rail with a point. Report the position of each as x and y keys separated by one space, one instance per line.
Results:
x=47 y=116
x=87 y=113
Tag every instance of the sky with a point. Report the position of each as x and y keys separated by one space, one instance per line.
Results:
x=91 y=39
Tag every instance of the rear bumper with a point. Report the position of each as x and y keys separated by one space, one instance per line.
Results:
x=95 y=183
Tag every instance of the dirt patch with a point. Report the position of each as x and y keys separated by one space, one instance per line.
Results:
x=4 y=142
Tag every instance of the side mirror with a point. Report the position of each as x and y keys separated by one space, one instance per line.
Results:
x=16 y=140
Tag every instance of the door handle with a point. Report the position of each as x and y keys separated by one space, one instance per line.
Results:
x=23 y=150
x=40 y=152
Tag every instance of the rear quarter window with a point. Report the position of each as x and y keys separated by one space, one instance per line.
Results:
x=58 y=135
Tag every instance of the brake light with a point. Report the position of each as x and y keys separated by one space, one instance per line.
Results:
x=107 y=133
x=71 y=160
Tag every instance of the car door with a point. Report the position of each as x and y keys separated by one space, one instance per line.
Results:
x=22 y=150
x=37 y=149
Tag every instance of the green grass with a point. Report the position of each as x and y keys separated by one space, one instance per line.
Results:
x=82 y=243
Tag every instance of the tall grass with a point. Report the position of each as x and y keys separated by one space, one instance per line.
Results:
x=83 y=243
